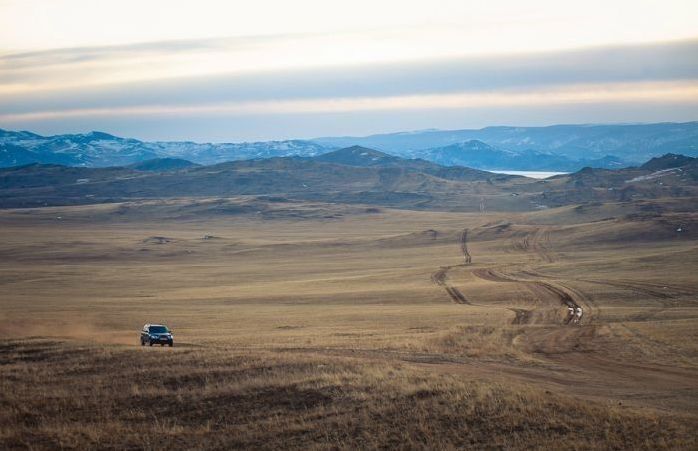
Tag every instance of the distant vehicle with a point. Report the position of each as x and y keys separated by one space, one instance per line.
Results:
x=156 y=334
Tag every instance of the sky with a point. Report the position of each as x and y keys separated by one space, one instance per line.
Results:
x=215 y=71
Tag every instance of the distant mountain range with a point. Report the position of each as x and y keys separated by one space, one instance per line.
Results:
x=477 y=154
x=354 y=175
x=563 y=148
x=97 y=149
x=634 y=143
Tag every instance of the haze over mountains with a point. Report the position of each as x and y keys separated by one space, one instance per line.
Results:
x=556 y=148
x=632 y=142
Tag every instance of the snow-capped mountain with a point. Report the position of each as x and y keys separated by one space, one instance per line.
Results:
x=554 y=148
x=477 y=154
x=97 y=149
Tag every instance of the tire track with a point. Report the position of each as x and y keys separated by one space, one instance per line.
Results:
x=544 y=289
x=440 y=277
x=563 y=296
x=464 y=247
x=566 y=297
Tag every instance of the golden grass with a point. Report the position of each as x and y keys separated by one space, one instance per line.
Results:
x=306 y=331
x=62 y=395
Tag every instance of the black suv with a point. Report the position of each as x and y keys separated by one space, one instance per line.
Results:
x=156 y=334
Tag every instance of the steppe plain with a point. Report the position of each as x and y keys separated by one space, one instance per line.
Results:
x=319 y=325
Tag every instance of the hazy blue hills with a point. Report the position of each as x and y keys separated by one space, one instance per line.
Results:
x=634 y=143
x=564 y=148
x=477 y=154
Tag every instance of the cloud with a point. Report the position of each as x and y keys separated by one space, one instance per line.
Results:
x=614 y=83
x=659 y=92
x=551 y=70
x=49 y=57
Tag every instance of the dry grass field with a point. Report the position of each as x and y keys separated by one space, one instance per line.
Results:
x=311 y=325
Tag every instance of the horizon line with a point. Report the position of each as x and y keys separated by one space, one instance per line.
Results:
x=386 y=133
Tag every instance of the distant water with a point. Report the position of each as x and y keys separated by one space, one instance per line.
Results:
x=532 y=174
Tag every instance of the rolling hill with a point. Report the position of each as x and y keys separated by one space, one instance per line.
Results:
x=163 y=164
x=352 y=175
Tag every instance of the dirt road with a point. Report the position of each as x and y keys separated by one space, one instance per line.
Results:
x=551 y=293
x=464 y=247
x=440 y=277
x=574 y=357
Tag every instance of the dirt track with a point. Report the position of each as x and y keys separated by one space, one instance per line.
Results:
x=464 y=246
x=577 y=354
x=441 y=275
x=551 y=293
x=440 y=278
x=543 y=289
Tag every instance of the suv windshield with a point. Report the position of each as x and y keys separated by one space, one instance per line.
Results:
x=158 y=330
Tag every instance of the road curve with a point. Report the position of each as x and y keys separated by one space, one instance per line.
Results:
x=440 y=277
x=545 y=289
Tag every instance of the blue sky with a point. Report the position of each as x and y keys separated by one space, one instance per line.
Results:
x=228 y=71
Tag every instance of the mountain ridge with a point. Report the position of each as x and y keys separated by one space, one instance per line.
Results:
x=475 y=153
x=563 y=148
x=402 y=183
x=635 y=143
